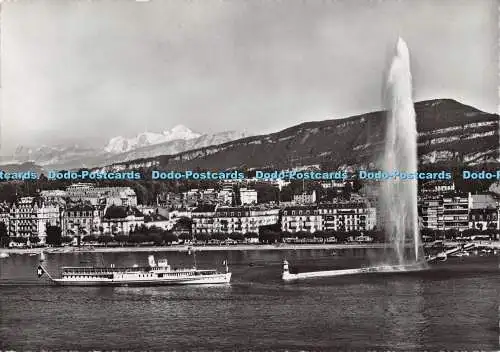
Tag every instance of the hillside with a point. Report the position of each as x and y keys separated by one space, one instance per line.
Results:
x=449 y=132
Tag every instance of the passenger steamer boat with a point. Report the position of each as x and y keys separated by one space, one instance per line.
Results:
x=155 y=274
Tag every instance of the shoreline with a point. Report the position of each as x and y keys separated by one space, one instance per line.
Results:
x=185 y=248
x=241 y=247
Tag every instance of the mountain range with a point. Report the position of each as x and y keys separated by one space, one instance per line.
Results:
x=122 y=145
x=118 y=149
x=449 y=133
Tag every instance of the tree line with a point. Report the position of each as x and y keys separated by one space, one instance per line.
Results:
x=267 y=234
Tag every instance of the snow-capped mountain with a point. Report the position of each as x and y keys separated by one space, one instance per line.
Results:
x=176 y=146
x=119 y=149
x=121 y=144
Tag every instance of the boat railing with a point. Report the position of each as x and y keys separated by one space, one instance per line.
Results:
x=103 y=270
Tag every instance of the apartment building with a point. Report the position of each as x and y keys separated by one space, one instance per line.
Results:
x=121 y=219
x=456 y=211
x=222 y=219
x=204 y=219
x=445 y=211
x=244 y=219
x=348 y=216
x=432 y=212
x=83 y=219
x=301 y=218
x=31 y=216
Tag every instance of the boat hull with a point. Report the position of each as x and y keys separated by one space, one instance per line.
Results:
x=209 y=280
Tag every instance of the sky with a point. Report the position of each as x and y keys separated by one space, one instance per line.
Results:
x=85 y=71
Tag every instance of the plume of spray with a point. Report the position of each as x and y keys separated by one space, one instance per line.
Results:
x=398 y=197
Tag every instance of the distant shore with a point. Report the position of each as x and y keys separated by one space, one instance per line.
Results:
x=241 y=247
x=184 y=248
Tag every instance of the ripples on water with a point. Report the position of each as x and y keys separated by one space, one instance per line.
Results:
x=452 y=306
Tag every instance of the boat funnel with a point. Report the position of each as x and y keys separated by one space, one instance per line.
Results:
x=151 y=260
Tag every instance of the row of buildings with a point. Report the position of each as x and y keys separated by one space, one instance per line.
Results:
x=443 y=208
x=309 y=218
x=79 y=210
x=84 y=209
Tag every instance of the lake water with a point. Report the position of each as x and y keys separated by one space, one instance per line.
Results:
x=451 y=306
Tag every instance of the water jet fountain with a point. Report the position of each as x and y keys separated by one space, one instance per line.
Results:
x=398 y=197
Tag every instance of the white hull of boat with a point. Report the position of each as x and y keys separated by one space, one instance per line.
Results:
x=213 y=279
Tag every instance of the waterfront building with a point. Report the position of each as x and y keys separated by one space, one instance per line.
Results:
x=432 y=212
x=244 y=219
x=204 y=219
x=338 y=216
x=158 y=221
x=347 y=216
x=31 y=216
x=301 y=218
x=121 y=219
x=456 y=211
x=222 y=219
x=83 y=219
x=445 y=211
